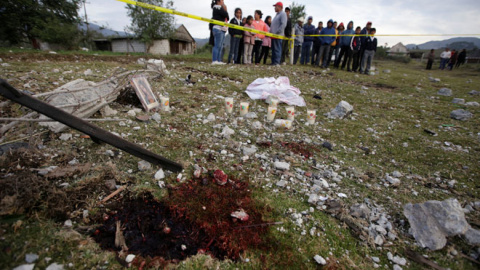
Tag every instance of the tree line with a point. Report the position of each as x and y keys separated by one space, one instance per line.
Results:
x=56 y=21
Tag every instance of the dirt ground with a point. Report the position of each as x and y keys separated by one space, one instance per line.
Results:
x=233 y=207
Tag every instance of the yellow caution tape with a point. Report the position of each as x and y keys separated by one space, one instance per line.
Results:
x=396 y=35
x=174 y=12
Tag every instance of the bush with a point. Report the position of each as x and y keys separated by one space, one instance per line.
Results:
x=206 y=49
x=400 y=59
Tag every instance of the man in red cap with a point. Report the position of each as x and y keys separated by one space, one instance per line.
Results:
x=278 y=27
x=363 y=37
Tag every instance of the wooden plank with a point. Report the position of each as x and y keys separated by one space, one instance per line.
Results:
x=93 y=131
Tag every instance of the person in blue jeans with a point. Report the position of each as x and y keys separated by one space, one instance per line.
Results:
x=220 y=14
x=370 y=49
x=308 y=29
x=316 y=43
x=345 y=51
x=278 y=27
x=444 y=58
x=235 y=36
x=326 y=42
x=298 y=40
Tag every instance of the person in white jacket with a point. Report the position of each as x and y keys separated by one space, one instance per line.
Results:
x=444 y=58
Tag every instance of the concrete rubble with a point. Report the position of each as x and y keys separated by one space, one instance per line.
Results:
x=461 y=115
x=341 y=111
x=433 y=221
x=445 y=92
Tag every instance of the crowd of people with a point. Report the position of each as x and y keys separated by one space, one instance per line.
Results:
x=248 y=47
x=313 y=45
x=448 y=59
x=353 y=49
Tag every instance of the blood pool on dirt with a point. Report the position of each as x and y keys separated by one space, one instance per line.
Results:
x=181 y=226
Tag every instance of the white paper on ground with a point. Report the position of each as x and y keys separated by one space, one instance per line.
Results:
x=263 y=87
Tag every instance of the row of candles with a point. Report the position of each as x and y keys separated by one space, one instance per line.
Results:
x=272 y=111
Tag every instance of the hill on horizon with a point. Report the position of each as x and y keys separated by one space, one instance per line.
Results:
x=438 y=44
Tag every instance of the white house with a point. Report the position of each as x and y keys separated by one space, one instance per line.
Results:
x=398 y=50
x=181 y=43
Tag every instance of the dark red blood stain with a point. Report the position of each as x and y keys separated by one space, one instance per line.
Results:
x=220 y=177
x=207 y=231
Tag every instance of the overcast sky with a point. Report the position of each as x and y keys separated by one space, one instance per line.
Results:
x=389 y=17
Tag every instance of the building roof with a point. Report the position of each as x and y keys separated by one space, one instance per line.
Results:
x=105 y=32
x=181 y=33
x=398 y=48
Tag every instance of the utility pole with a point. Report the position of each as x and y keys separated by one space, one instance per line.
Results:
x=85 y=10
x=87 y=35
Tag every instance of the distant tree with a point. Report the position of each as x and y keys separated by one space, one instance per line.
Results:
x=297 y=11
x=49 y=20
x=382 y=52
x=150 y=24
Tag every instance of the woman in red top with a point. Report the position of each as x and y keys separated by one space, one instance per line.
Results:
x=267 y=41
x=261 y=26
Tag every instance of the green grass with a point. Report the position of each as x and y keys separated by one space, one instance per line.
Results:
x=392 y=105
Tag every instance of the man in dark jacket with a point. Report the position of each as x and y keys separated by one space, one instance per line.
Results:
x=345 y=51
x=462 y=57
x=308 y=29
x=279 y=23
x=430 y=58
x=241 y=46
x=316 y=43
x=288 y=34
x=355 y=45
x=370 y=49
x=364 y=34
x=235 y=36
x=299 y=36
x=326 y=42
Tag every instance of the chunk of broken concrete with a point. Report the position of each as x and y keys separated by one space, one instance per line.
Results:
x=156 y=117
x=472 y=104
x=240 y=214
x=220 y=177
x=144 y=165
x=31 y=257
x=392 y=180
x=227 y=132
x=360 y=211
x=461 y=115
x=445 y=92
x=458 y=101
x=65 y=136
x=473 y=237
x=129 y=258
x=320 y=260
x=159 y=175
x=474 y=93
x=249 y=150
x=25 y=267
x=55 y=266
x=431 y=222
x=279 y=165
x=342 y=110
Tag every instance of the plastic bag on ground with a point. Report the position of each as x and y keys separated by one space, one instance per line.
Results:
x=263 y=87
